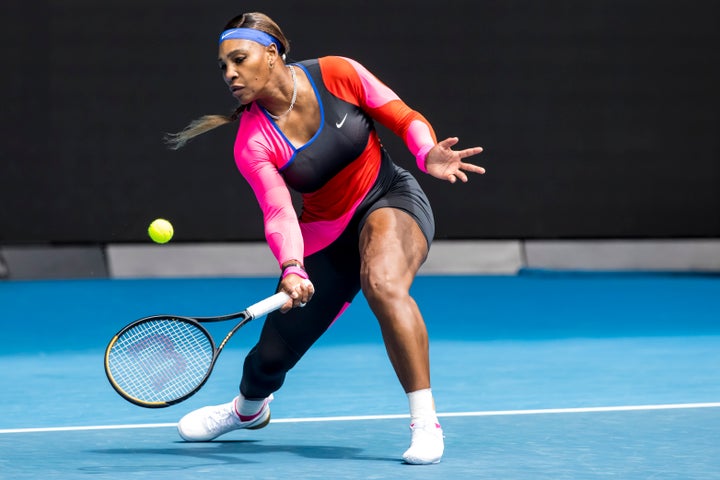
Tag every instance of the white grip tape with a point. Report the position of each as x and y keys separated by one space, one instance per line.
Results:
x=270 y=304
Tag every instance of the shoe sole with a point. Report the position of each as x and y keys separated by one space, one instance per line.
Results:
x=263 y=424
x=420 y=462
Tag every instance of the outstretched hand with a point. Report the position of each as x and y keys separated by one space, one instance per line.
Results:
x=446 y=164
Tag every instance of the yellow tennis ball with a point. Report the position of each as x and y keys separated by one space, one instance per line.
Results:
x=160 y=230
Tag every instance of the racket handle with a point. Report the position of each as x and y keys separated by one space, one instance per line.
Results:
x=270 y=304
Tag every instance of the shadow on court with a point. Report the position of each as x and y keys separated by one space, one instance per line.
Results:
x=227 y=451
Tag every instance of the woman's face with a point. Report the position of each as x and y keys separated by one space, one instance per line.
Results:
x=245 y=66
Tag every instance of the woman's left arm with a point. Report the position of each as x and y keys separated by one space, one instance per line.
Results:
x=433 y=157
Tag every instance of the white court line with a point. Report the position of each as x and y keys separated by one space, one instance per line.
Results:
x=543 y=411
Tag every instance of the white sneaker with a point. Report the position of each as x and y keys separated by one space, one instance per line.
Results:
x=207 y=423
x=427 y=444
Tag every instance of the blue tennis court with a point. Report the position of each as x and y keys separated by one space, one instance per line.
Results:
x=538 y=375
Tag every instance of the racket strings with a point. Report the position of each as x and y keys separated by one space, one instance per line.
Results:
x=160 y=360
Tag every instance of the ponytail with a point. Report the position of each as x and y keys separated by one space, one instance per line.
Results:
x=200 y=126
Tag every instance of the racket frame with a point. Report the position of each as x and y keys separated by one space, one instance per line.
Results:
x=256 y=310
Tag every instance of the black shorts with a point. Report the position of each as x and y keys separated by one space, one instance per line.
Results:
x=399 y=189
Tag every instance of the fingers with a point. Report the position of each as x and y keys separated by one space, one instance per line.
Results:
x=307 y=291
x=287 y=307
x=300 y=292
x=459 y=174
x=446 y=164
x=469 y=152
x=472 y=168
x=449 y=142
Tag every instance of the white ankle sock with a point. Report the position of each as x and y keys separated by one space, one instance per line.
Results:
x=248 y=408
x=422 y=406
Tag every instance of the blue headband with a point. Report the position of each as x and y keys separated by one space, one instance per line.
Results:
x=251 y=34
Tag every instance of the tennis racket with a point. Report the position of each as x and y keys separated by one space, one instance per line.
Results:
x=162 y=360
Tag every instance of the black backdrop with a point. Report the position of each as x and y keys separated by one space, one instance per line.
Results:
x=600 y=118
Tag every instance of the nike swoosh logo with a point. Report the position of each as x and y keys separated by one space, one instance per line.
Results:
x=341 y=122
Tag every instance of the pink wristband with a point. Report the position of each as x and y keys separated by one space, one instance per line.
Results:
x=295 y=271
x=421 y=156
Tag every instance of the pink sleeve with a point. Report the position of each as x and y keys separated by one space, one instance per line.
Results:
x=386 y=107
x=282 y=230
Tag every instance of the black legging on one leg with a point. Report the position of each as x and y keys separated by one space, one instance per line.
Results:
x=286 y=337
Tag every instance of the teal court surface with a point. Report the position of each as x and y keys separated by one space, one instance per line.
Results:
x=536 y=376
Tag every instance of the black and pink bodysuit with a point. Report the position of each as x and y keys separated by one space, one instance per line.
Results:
x=342 y=174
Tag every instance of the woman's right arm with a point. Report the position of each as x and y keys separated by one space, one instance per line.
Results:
x=282 y=230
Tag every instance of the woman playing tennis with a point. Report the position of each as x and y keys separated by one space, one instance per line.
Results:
x=365 y=222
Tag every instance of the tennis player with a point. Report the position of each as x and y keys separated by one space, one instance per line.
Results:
x=365 y=222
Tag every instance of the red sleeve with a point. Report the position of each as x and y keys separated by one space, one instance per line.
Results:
x=349 y=80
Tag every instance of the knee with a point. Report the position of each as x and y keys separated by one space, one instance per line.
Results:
x=271 y=359
x=381 y=285
x=264 y=374
x=267 y=363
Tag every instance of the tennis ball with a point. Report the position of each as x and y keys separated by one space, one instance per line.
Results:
x=160 y=230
